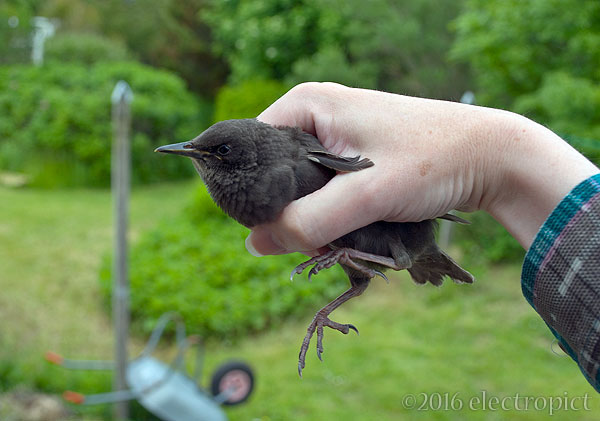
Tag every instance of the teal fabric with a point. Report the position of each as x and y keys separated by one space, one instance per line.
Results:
x=552 y=228
x=555 y=238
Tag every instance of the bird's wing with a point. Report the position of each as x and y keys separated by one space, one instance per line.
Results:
x=339 y=163
x=454 y=218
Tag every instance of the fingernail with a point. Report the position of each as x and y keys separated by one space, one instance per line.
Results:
x=263 y=240
x=250 y=247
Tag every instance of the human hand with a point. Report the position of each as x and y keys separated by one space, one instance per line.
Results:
x=430 y=157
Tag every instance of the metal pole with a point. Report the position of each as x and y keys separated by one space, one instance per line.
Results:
x=121 y=162
x=42 y=28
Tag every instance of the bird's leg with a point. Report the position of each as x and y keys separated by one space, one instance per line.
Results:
x=346 y=257
x=322 y=319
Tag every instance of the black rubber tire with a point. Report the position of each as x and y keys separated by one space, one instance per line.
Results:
x=226 y=368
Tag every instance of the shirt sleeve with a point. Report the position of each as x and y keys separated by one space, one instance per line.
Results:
x=561 y=276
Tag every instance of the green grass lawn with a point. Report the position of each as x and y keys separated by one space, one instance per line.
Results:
x=426 y=342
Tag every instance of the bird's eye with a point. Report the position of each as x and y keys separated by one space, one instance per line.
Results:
x=223 y=150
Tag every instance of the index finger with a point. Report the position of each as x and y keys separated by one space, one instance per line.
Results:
x=292 y=109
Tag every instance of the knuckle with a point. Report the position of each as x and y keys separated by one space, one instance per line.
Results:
x=324 y=99
x=304 y=90
x=315 y=90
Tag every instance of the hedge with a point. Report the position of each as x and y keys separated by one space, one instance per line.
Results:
x=55 y=121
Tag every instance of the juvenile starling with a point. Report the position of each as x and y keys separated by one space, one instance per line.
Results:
x=253 y=170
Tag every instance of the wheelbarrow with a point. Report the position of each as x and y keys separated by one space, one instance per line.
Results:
x=165 y=390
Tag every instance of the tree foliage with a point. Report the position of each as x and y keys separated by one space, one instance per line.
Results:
x=167 y=34
x=395 y=46
x=537 y=57
x=160 y=33
x=83 y=48
x=15 y=30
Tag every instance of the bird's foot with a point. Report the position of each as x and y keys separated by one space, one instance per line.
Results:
x=348 y=257
x=319 y=321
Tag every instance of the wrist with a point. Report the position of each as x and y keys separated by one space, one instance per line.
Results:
x=533 y=169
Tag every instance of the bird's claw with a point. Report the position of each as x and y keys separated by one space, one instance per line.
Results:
x=299 y=269
x=342 y=256
x=320 y=342
x=387 y=281
x=320 y=320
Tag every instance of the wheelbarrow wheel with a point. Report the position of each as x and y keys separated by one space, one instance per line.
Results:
x=236 y=375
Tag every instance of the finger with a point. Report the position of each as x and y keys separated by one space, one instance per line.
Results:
x=262 y=237
x=309 y=106
x=292 y=109
x=317 y=219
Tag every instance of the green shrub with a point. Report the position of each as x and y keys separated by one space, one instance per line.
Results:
x=197 y=265
x=15 y=31
x=83 y=48
x=248 y=99
x=55 y=121
x=569 y=104
x=550 y=72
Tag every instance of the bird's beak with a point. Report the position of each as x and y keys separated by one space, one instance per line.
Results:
x=183 y=148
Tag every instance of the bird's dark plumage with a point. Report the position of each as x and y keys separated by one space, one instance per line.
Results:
x=253 y=170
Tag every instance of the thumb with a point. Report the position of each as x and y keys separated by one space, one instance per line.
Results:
x=315 y=220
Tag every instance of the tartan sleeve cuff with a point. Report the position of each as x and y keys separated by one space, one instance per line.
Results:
x=560 y=276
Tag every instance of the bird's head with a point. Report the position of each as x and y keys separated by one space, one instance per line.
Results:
x=226 y=145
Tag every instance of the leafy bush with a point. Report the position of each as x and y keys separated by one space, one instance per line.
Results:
x=197 y=265
x=247 y=100
x=83 y=48
x=570 y=105
x=550 y=70
x=55 y=121
x=165 y=34
x=15 y=31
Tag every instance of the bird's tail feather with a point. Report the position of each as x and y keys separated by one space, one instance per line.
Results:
x=434 y=267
